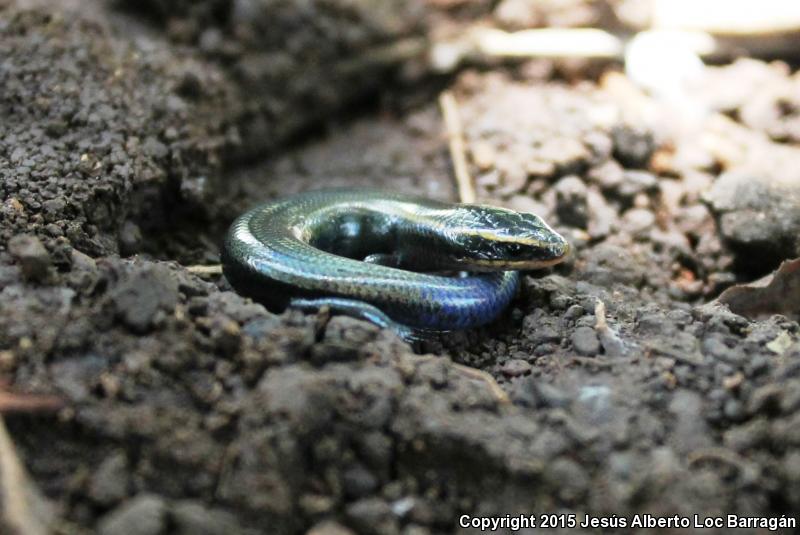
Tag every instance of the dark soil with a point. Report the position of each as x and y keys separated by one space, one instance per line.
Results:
x=132 y=135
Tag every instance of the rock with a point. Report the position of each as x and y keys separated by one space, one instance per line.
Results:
x=612 y=264
x=609 y=175
x=142 y=515
x=560 y=302
x=633 y=147
x=33 y=258
x=638 y=220
x=758 y=219
x=602 y=216
x=518 y=14
x=594 y=404
x=545 y=349
x=571 y=205
x=568 y=154
x=225 y=334
x=130 y=238
x=194 y=191
x=194 y=518
x=585 y=341
x=54 y=206
x=74 y=376
x=372 y=516
x=146 y=292
x=82 y=262
x=765 y=400
x=690 y=430
x=315 y=505
x=414 y=529
x=634 y=182
x=570 y=478
x=109 y=484
x=531 y=392
x=791 y=471
x=540 y=334
x=328 y=527
x=733 y=410
x=376 y=449
x=515 y=368
x=153 y=147
x=574 y=312
x=714 y=346
x=358 y=481
x=748 y=435
x=524 y=203
x=483 y=155
x=513 y=179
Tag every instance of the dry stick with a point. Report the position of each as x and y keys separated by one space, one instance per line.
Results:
x=726 y=36
x=14 y=402
x=458 y=153
x=466 y=193
x=23 y=509
x=474 y=373
x=205 y=271
x=28 y=403
x=485 y=44
x=549 y=43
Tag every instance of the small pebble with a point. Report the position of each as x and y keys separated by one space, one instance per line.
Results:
x=484 y=155
x=195 y=518
x=130 y=238
x=328 y=527
x=574 y=312
x=142 y=515
x=139 y=297
x=372 y=515
x=638 y=220
x=359 y=482
x=585 y=341
x=109 y=484
x=635 y=182
x=516 y=368
x=571 y=202
x=633 y=146
x=33 y=258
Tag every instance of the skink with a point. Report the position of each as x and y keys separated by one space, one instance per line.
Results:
x=379 y=256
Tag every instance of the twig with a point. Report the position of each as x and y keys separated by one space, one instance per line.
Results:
x=205 y=271
x=611 y=342
x=775 y=36
x=28 y=403
x=473 y=373
x=455 y=136
x=600 y=323
x=482 y=44
x=480 y=375
x=22 y=507
x=549 y=43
